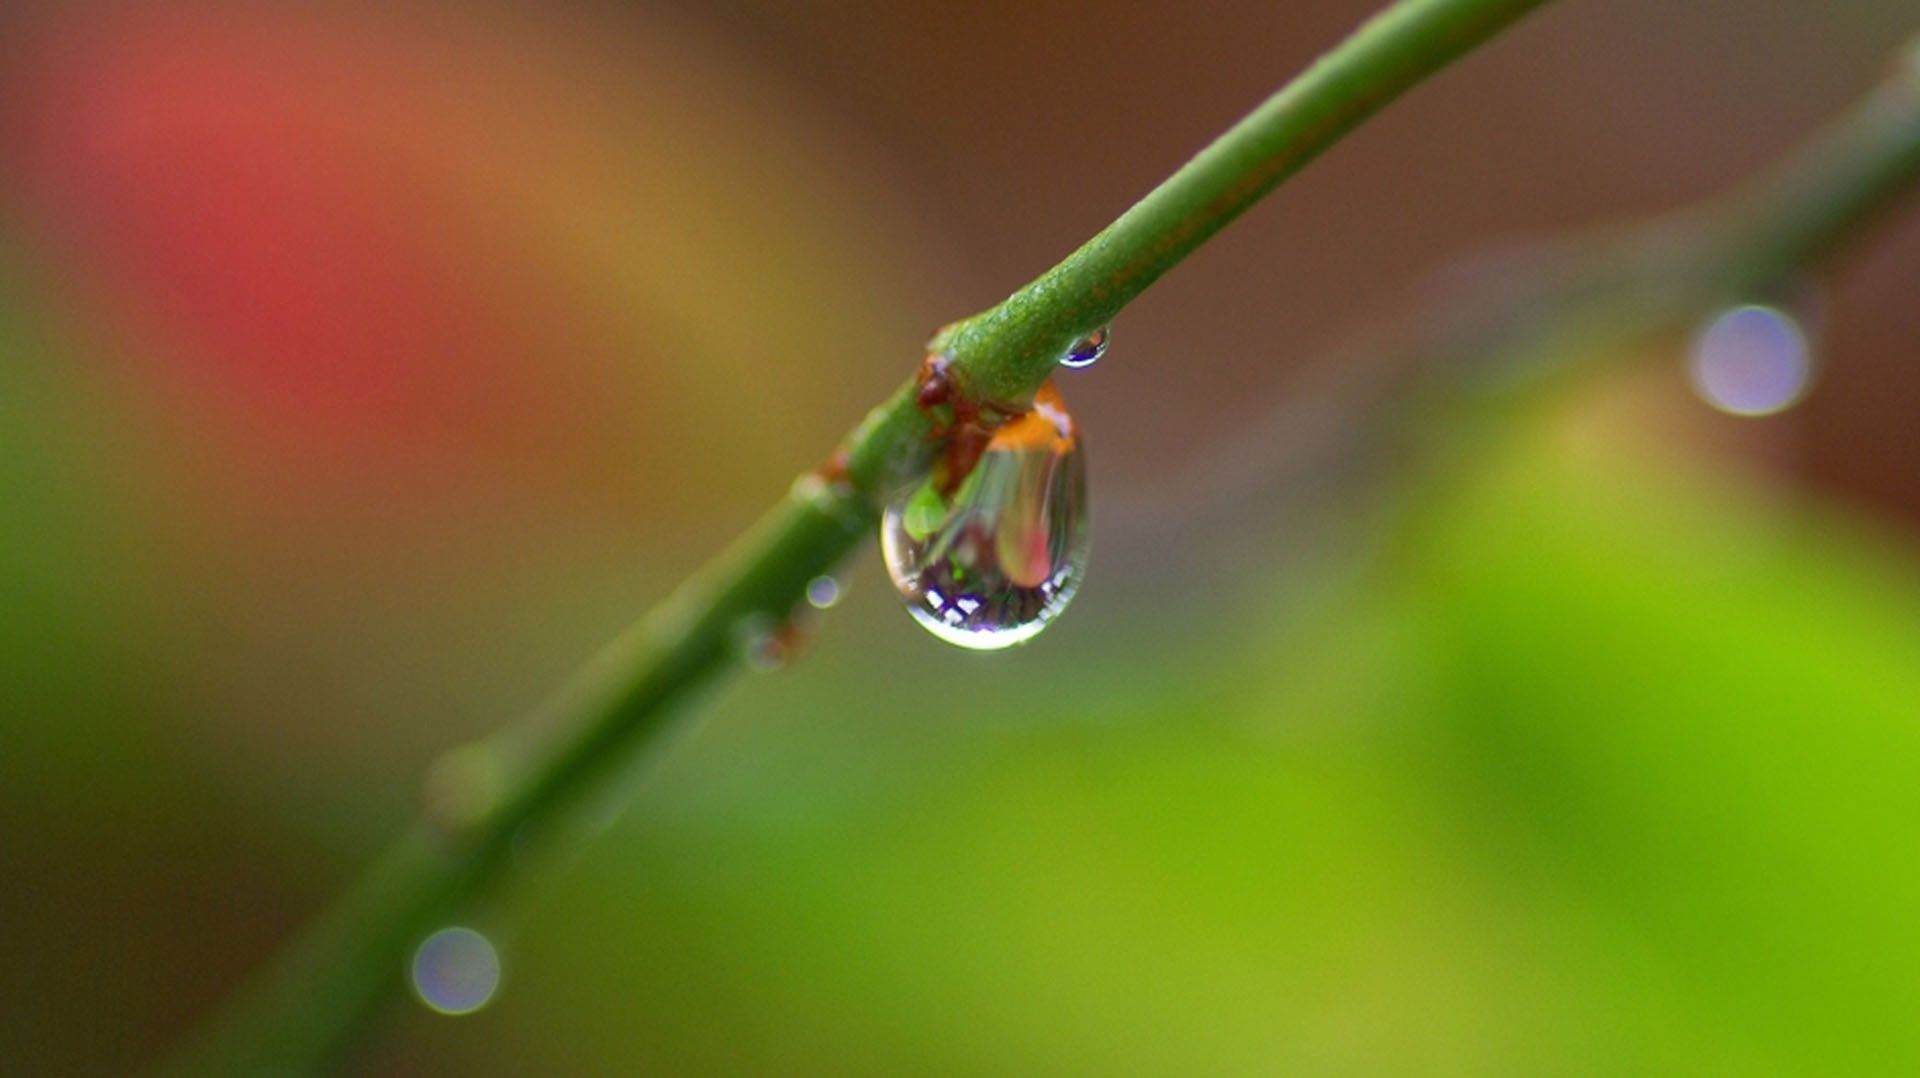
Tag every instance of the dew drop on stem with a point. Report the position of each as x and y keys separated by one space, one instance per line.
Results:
x=1087 y=351
x=455 y=971
x=992 y=562
x=823 y=592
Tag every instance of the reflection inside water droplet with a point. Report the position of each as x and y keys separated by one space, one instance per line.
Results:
x=992 y=563
x=1087 y=351
x=1751 y=361
x=456 y=971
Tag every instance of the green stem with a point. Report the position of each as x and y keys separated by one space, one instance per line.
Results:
x=1006 y=351
x=326 y=984
x=303 y=1008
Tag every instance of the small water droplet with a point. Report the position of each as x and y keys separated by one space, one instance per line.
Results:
x=1087 y=351
x=1751 y=361
x=823 y=592
x=760 y=643
x=992 y=563
x=464 y=786
x=456 y=971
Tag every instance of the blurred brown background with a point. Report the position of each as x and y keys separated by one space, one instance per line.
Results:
x=1587 y=113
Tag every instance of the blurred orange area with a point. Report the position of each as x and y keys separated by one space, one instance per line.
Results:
x=408 y=241
x=349 y=331
x=287 y=205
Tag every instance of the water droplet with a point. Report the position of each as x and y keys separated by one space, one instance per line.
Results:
x=464 y=786
x=823 y=592
x=992 y=563
x=761 y=643
x=456 y=971
x=1751 y=361
x=1087 y=351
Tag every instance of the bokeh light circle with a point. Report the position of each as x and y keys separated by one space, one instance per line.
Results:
x=456 y=971
x=1751 y=361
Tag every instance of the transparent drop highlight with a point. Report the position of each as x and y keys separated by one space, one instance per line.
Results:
x=456 y=971
x=1087 y=350
x=992 y=563
x=1751 y=361
x=823 y=592
x=761 y=642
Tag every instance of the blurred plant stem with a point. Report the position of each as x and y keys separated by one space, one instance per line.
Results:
x=305 y=1005
x=487 y=800
x=1441 y=375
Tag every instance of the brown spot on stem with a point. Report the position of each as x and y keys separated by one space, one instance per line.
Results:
x=960 y=424
x=836 y=468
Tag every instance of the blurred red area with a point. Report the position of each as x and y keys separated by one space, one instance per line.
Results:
x=275 y=207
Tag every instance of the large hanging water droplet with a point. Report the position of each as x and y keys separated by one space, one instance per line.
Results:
x=990 y=564
x=1087 y=351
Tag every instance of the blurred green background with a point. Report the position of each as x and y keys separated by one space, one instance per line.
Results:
x=363 y=368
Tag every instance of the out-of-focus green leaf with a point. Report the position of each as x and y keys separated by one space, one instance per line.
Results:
x=1603 y=771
